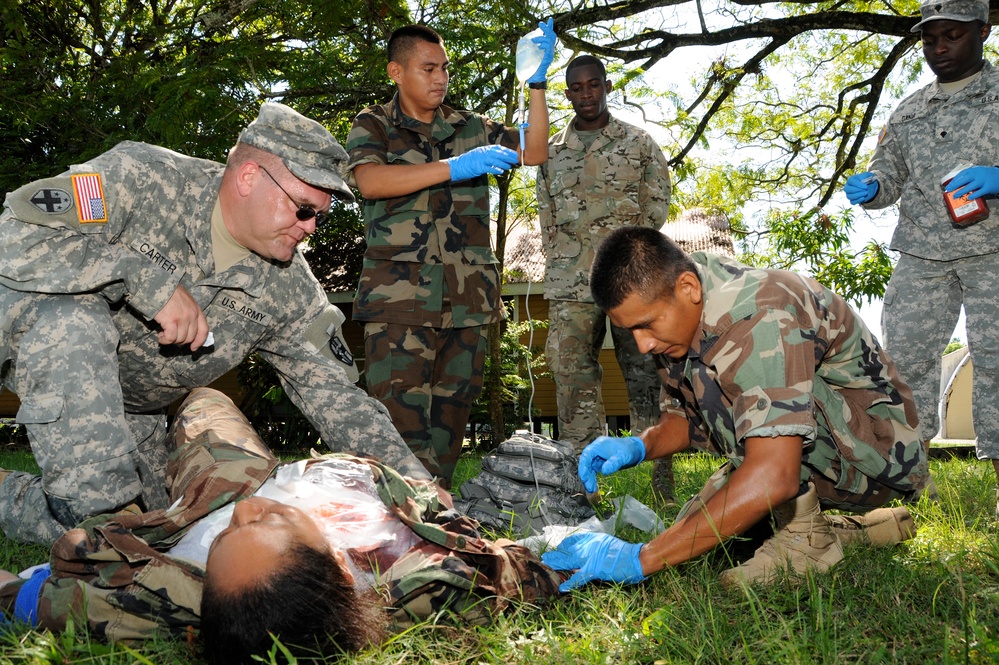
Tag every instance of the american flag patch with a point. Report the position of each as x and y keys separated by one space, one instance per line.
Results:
x=89 y=198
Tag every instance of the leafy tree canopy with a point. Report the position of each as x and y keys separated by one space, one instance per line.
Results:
x=775 y=100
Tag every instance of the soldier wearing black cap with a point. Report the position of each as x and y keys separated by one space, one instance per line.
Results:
x=141 y=274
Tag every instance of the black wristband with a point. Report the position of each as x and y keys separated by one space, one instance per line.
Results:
x=542 y=85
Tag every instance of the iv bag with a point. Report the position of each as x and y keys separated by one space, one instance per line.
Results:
x=529 y=55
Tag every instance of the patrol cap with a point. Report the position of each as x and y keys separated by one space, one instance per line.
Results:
x=307 y=148
x=952 y=10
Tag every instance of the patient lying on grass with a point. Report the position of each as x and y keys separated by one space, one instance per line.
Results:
x=329 y=554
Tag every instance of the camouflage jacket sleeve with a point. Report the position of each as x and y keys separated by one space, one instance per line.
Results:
x=888 y=161
x=675 y=400
x=63 y=234
x=546 y=220
x=377 y=136
x=656 y=186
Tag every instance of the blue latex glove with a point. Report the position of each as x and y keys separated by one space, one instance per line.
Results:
x=607 y=455
x=493 y=159
x=858 y=191
x=546 y=43
x=976 y=182
x=597 y=556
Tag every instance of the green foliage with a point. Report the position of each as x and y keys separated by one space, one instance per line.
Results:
x=954 y=345
x=819 y=244
x=787 y=116
x=336 y=250
x=12 y=435
x=516 y=359
x=78 y=77
x=278 y=422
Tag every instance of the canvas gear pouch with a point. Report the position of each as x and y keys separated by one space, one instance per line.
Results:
x=530 y=481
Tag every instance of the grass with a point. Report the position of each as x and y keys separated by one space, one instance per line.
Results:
x=934 y=599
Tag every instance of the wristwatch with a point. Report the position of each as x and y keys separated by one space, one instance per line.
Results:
x=542 y=85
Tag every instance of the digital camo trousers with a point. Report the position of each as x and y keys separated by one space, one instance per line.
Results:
x=428 y=379
x=575 y=335
x=921 y=307
x=93 y=456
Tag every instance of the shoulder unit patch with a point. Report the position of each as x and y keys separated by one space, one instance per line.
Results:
x=52 y=201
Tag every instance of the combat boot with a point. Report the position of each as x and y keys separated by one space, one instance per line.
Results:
x=803 y=540
x=883 y=526
x=663 y=483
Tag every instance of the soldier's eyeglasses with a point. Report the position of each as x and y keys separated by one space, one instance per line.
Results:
x=304 y=212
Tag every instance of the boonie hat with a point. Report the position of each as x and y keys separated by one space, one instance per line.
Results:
x=952 y=10
x=307 y=148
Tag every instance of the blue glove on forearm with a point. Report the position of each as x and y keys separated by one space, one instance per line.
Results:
x=607 y=455
x=493 y=159
x=597 y=556
x=546 y=43
x=976 y=182
x=858 y=191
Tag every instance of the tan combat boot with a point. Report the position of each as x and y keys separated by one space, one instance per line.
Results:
x=803 y=540
x=882 y=526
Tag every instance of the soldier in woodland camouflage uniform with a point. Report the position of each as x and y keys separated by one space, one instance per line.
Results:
x=952 y=123
x=601 y=174
x=429 y=283
x=113 y=274
x=777 y=374
x=118 y=575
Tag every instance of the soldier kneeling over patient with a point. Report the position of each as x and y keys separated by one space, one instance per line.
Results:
x=773 y=372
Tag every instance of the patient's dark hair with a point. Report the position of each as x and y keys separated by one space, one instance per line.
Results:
x=309 y=605
x=635 y=259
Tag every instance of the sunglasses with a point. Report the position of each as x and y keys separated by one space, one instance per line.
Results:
x=304 y=212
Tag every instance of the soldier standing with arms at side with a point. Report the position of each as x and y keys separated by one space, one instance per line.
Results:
x=951 y=124
x=112 y=277
x=429 y=283
x=601 y=174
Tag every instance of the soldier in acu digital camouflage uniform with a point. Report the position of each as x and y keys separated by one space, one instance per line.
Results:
x=777 y=374
x=951 y=124
x=601 y=174
x=429 y=284
x=240 y=566
x=112 y=276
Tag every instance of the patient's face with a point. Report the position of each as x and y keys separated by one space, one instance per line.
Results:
x=253 y=544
